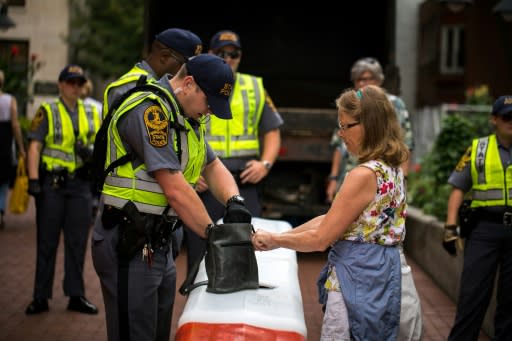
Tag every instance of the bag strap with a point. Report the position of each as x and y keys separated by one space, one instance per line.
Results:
x=189 y=285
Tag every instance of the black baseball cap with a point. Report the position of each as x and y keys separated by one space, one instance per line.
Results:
x=225 y=38
x=502 y=106
x=215 y=78
x=72 y=71
x=184 y=42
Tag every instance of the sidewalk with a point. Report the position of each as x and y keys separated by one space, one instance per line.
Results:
x=17 y=267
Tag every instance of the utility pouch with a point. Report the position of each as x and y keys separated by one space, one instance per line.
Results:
x=111 y=217
x=468 y=218
x=132 y=232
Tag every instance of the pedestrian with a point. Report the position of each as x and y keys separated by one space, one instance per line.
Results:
x=169 y=50
x=237 y=142
x=368 y=71
x=86 y=96
x=338 y=167
x=144 y=199
x=61 y=140
x=485 y=170
x=9 y=131
x=366 y=218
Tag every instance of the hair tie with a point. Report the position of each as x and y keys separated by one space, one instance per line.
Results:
x=359 y=94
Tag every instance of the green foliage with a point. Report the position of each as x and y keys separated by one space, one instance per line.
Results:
x=107 y=35
x=428 y=188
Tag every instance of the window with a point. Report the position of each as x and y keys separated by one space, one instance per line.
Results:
x=452 y=49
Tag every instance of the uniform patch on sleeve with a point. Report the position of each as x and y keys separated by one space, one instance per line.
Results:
x=38 y=118
x=157 y=126
x=270 y=103
x=463 y=160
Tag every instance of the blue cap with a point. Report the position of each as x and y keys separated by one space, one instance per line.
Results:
x=215 y=78
x=502 y=105
x=72 y=71
x=182 y=41
x=225 y=38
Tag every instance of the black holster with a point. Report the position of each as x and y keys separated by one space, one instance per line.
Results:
x=468 y=218
x=133 y=232
x=137 y=229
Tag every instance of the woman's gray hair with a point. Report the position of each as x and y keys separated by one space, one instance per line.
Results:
x=367 y=64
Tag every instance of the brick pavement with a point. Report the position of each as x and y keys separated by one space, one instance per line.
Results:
x=17 y=266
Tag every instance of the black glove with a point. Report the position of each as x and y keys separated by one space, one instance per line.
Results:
x=236 y=212
x=450 y=239
x=34 y=187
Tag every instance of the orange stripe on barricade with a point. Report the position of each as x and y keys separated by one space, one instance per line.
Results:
x=196 y=331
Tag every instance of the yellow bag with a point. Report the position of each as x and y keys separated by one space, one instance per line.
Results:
x=18 y=201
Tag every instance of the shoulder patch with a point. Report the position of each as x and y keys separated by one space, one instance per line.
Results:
x=38 y=118
x=270 y=103
x=464 y=160
x=157 y=126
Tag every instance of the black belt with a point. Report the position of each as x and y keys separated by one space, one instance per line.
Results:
x=504 y=218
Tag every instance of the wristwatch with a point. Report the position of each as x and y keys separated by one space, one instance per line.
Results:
x=237 y=198
x=267 y=164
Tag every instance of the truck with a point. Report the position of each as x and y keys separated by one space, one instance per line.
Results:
x=304 y=60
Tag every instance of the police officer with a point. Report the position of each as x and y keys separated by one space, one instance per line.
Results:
x=169 y=50
x=61 y=140
x=144 y=198
x=486 y=171
x=237 y=141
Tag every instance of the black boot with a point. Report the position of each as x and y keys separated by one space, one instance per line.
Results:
x=82 y=305
x=37 y=306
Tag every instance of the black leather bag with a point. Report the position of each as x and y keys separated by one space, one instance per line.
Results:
x=230 y=261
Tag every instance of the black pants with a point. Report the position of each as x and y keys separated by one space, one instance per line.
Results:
x=488 y=248
x=66 y=209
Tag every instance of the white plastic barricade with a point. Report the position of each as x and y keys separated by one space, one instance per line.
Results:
x=261 y=314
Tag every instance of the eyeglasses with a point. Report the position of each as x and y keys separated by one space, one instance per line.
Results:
x=345 y=127
x=179 y=58
x=233 y=54
x=365 y=79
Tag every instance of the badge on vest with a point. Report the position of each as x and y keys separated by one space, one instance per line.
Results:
x=157 y=126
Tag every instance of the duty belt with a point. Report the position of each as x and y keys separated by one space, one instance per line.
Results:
x=504 y=218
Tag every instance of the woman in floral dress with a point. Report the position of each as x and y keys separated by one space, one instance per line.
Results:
x=360 y=284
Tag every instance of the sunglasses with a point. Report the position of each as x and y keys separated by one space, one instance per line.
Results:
x=233 y=54
x=506 y=117
x=75 y=82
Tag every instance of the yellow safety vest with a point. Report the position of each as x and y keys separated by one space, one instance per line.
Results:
x=492 y=185
x=131 y=76
x=59 y=145
x=126 y=183
x=239 y=136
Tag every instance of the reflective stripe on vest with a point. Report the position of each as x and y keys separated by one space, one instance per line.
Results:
x=491 y=185
x=59 y=146
x=131 y=77
x=134 y=184
x=239 y=136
